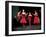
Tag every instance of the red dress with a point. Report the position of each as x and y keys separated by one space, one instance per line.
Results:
x=23 y=20
x=29 y=18
x=36 y=20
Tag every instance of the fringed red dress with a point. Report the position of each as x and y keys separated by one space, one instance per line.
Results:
x=36 y=20
x=29 y=19
x=23 y=20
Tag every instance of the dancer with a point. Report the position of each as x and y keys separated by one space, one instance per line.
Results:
x=23 y=19
x=36 y=18
x=29 y=19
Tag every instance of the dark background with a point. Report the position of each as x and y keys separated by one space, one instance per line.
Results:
x=15 y=9
x=16 y=24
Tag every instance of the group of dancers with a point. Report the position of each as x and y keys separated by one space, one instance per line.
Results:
x=24 y=18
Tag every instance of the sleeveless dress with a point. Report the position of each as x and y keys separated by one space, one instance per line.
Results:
x=36 y=20
x=29 y=19
x=23 y=20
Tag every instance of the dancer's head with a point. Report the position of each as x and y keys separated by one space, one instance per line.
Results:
x=36 y=13
x=29 y=13
x=23 y=11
